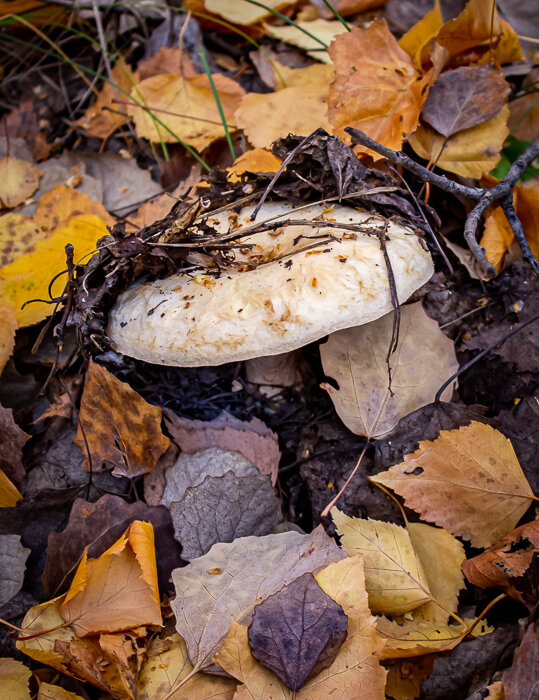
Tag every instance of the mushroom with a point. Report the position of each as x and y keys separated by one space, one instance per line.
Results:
x=290 y=284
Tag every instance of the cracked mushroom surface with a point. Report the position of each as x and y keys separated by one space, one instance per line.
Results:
x=287 y=287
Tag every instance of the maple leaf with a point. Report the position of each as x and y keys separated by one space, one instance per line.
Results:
x=356 y=669
x=467 y=480
x=188 y=108
x=376 y=87
x=18 y=180
x=117 y=591
x=394 y=576
x=120 y=428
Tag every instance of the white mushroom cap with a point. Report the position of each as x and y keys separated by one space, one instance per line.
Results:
x=277 y=306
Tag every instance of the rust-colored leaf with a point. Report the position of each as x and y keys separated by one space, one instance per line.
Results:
x=122 y=430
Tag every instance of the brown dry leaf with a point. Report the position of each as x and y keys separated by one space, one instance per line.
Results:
x=105 y=116
x=59 y=204
x=18 y=234
x=166 y=60
x=467 y=480
x=129 y=441
x=243 y=12
x=190 y=111
x=470 y=153
x=119 y=590
x=405 y=676
x=14 y=680
x=19 y=179
x=54 y=692
x=351 y=7
x=257 y=160
x=521 y=681
x=465 y=97
x=12 y=439
x=325 y=30
x=441 y=556
x=468 y=36
x=252 y=439
x=299 y=109
x=8 y=326
x=507 y=564
x=24 y=122
x=356 y=671
x=29 y=276
x=418 y=40
x=168 y=665
x=232 y=578
x=394 y=576
x=376 y=87
x=9 y=494
x=413 y=638
x=524 y=110
x=424 y=359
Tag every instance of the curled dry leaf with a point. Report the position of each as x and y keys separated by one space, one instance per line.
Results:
x=507 y=564
x=232 y=578
x=186 y=106
x=470 y=153
x=13 y=558
x=223 y=508
x=467 y=480
x=356 y=667
x=119 y=590
x=354 y=357
x=297 y=631
x=394 y=576
x=14 y=679
x=376 y=87
x=522 y=679
x=19 y=179
x=465 y=97
x=130 y=441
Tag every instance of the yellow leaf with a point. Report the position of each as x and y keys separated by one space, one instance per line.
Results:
x=54 y=692
x=496 y=691
x=394 y=576
x=14 y=679
x=44 y=625
x=8 y=326
x=356 y=665
x=299 y=110
x=168 y=665
x=467 y=480
x=325 y=30
x=405 y=676
x=190 y=111
x=29 y=276
x=59 y=204
x=9 y=494
x=117 y=591
x=417 y=40
x=376 y=87
x=18 y=235
x=471 y=153
x=18 y=180
x=498 y=237
x=258 y=160
x=441 y=556
x=317 y=74
x=105 y=116
x=241 y=12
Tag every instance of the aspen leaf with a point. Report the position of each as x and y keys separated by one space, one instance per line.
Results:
x=471 y=153
x=233 y=577
x=130 y=441
x=376 y=87
x=167 y=665
x=43 y=625
x=190 y=111
x=60 y=203
x=18 y=235
x=467 y=480
x=325 y=30
x=117 y=591
x=28 y=277
x=19 y=179
x=354 y=357
x=394 y=576
x=14 y=679
x=241 y=12
x=356 y=668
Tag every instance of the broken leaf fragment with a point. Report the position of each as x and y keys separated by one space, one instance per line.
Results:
x=467 y=480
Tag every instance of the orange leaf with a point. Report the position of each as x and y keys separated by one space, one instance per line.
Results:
x=376 y=87
x=121 y=429
x=119 y=590
x=256 y=161
x=9 y=494
x=417 y=40
x=59 y=204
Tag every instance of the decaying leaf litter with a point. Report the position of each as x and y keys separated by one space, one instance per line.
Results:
x=166 y=531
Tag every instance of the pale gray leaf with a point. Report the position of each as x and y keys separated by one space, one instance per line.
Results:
x=13 y=558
